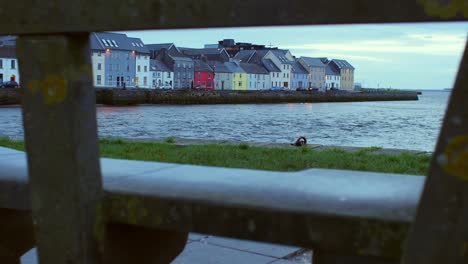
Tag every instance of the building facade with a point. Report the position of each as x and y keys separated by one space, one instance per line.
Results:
x=299 y=75
x=8 y=62
x=316 y=72
x=181 y=65
x=204 y=75
x=229 y=76
x=332 y=77
x=346 y=71
x=8 y=65
x=161 y=75
x=258 y=77
x=283 y=61
x=116 y=60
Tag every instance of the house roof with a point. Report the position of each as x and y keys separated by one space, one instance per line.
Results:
x=253 y=68
x=270 y=66
x=176 y=54
x=159 y=46
x=225 y=67
x=234 y=67
x=209 y=53
x=342 y=64
x=116 y=41
x=138 y=45
x=297 y=68
x=201 y=66
x=8 y=52
x=281 y=55
x=202 y=51
x=314 y=62
x=330 y=70
x=7 y=41
x=244 y=55
x=157 y=65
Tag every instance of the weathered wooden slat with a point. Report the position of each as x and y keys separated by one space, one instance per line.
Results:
x=62 y=148
x=440 y=233
x=344 y=212
x=26 y=16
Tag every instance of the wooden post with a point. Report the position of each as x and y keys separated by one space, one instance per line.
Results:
x=440 y=232
x=59 y=116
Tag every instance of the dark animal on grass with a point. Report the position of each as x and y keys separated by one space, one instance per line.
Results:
x=300 y=142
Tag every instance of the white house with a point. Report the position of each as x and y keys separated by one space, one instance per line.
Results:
x=283 y=61
x=143 y=76
x=332 y=78
x=161 y=75
x=99 y=65
x=258 y=78
x=8 y=61
x=274 y=74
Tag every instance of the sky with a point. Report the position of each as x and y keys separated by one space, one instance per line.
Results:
x=403 y=56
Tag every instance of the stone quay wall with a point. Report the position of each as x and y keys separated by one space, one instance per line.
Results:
x=122 y=97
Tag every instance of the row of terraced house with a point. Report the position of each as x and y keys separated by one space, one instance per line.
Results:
x=121 y=61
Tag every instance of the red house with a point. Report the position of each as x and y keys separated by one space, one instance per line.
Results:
x=204 y=76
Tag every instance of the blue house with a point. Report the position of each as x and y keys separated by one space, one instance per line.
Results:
x=298 y=75
x=116 y=59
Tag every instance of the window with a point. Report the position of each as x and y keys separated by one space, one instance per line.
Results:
x=13 y=64
x=168 y=74
x=128 y=68
x=240 y=84
x=158 y=74
x=99 y=66
x=109 y=80
x=99 y=54
x=209 y=75
x=139 y=68
x=145 y=81
x=287 y=74
x=98 y=79
x=128 y=79
x=184 y=65
x=284 y=75
x=146 y=68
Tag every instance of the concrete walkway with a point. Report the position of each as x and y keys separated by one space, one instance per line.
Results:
x=204 y=249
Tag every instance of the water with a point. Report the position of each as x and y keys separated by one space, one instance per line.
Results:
x=403 y=124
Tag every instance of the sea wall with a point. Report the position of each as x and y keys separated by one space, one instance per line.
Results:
x=143 y=96
x=248 y=97
x=10 y=96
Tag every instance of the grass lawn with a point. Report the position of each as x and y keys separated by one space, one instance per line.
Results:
x=261 y=158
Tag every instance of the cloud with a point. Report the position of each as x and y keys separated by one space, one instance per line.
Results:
x=427 y=44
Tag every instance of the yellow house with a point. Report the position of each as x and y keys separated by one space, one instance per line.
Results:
x=347 y=73
x=239 y=76
x=239 y=81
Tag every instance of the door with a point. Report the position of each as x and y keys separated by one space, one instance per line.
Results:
x=12 y=78
x=222 y=85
